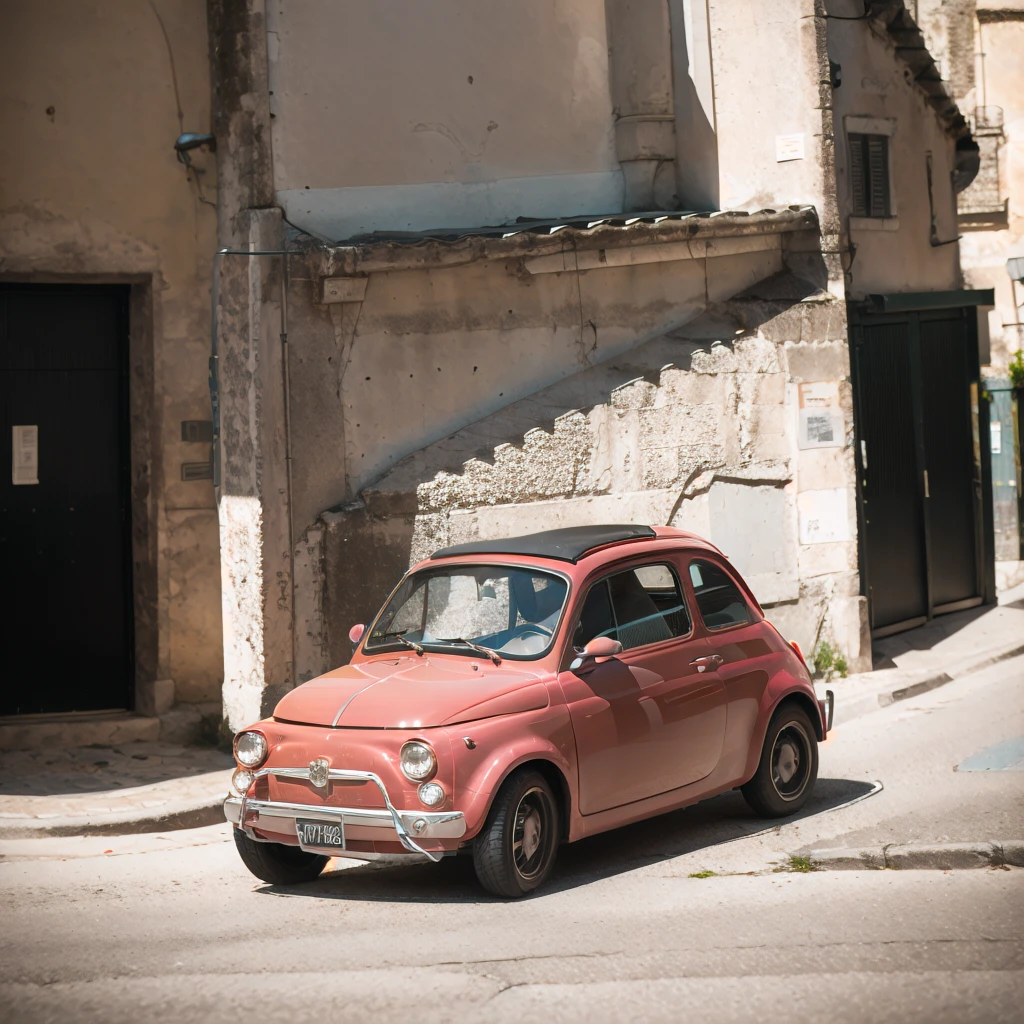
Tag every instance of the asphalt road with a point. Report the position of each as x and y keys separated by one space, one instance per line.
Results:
x=173 y=928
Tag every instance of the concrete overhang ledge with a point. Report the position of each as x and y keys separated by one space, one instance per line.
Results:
x=575 y=243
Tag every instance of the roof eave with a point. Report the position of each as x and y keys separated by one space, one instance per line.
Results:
x=367 y=257
x=892 y=20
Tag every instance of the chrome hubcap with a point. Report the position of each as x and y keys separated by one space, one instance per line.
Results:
x=791 y=759
x=531 y=834
x=533 y=820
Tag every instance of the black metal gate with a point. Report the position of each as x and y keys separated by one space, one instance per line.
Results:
x=921 y=468
x=65 y=540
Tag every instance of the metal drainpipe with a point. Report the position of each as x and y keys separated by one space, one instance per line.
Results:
x=214 y=381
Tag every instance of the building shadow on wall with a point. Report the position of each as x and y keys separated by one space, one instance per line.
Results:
x=368 y=543
x=702 y=827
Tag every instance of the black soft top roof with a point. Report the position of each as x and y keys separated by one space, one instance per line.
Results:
x=569 y=544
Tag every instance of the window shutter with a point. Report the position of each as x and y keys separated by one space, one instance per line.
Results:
x=878 y=175
x=857 y=183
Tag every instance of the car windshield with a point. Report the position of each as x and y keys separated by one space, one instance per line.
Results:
x=511 y=611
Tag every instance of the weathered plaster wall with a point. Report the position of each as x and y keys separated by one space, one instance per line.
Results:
x=766 y=84
x=916 y=249
x=478 y=113
x=984 y=253
x=433 y=350
x=697 y=428
x=92 y=191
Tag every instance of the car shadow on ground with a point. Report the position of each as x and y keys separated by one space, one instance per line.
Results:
x=722 y=819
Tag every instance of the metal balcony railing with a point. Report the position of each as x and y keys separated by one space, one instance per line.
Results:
x=988 y=120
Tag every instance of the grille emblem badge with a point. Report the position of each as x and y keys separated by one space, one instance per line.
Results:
x=318 y=772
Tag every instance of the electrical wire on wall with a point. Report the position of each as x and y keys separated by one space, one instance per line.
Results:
x=192 y=173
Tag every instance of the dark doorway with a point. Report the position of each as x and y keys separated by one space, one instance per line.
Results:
x=65 y=541
x=919 y=464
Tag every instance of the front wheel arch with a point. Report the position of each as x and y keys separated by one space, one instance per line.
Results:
x=555 y=778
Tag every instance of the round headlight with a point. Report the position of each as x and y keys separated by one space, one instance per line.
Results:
x=432 y=793
x=418 y=761
x=250 y=749
x=241 y=780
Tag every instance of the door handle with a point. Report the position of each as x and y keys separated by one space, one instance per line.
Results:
x=710 y=660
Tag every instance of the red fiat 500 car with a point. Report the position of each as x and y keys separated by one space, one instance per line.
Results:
x=516 y=694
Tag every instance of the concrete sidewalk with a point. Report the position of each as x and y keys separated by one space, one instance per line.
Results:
x=922 y=659
x=111 y=790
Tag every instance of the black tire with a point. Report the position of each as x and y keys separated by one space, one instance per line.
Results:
x=277 y=863
x=788 y=768
x=515 y=851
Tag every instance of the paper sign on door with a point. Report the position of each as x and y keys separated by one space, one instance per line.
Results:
x=25 y=454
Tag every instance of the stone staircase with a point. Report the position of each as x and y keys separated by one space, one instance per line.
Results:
x=693 y=429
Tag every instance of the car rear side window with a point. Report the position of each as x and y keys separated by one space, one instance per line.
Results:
x=718 y=599
x=636 y=607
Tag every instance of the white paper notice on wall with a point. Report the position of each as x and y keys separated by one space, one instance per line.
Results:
x=996 y=429
x=821 y=419
x=789 y=147
x=823 y=516
x=25 y=454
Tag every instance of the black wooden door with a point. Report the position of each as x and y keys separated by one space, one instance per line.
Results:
x=953 y=491
x=918 y=465
x=892 y=515
x=65 y=541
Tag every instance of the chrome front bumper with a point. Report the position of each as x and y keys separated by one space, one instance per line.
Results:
x=279 y=817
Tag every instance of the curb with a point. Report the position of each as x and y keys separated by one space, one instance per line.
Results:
x=920 y=857
x=169 y=817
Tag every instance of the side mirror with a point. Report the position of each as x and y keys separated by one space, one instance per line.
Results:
x=355 y=634
x=598 y=651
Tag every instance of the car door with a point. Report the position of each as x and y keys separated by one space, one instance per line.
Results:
x=651 y=719
x=735 y=635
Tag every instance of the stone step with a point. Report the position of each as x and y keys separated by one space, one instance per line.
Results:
x=78 y=729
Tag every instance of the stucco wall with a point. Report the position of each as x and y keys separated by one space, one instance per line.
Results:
x=403 y=115
x=92 y=191
x=897 y=255
x=765 y=66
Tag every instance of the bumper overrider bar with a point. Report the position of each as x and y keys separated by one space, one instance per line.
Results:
x=424 y=824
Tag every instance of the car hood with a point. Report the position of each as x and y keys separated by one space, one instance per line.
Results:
x=413 y=692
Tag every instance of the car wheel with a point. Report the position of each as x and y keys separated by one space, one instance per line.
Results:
x=788 y=767
x=277 y=863
x=514 y=853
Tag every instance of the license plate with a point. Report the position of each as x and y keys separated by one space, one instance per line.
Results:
x=320 y=835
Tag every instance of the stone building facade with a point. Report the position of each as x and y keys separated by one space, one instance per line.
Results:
x=500 y=317
x=94 y=201
x=480 y=268
x=980 y=44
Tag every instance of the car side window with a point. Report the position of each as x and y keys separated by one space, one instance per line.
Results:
x=636 y=607
x=596 y=617
x=718 y=599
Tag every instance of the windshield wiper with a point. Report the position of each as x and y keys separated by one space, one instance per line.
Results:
x=397 y=634
x=486 y=651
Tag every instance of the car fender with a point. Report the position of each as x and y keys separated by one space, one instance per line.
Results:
x=783 y=686
x=499 y=747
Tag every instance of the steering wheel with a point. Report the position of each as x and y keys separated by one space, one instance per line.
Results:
x=530 y=627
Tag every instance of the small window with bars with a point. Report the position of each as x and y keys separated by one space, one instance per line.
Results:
x=869 y=175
